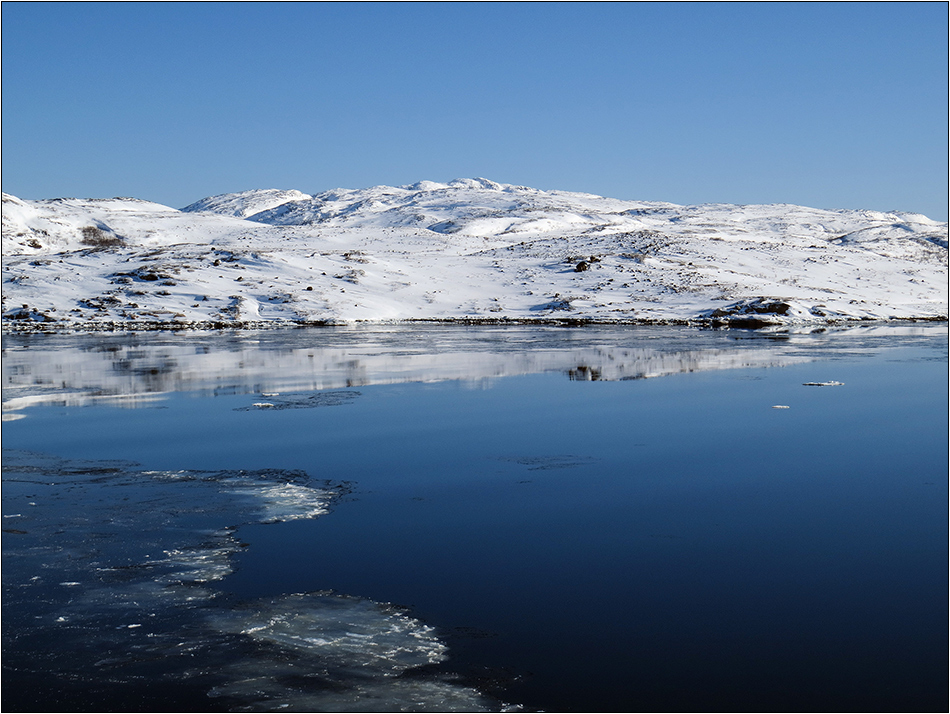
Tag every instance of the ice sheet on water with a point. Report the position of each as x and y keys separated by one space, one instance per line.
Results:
x=290 y=685
x=357 y=634
x=354 y=653
x=371 y=695
x=125 y=534
x=110 y=579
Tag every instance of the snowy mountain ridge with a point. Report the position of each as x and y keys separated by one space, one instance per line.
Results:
x=471 y=250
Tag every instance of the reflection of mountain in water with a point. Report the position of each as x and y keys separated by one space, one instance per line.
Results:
x=136 y=369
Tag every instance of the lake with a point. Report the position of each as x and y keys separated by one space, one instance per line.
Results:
x=451 y=518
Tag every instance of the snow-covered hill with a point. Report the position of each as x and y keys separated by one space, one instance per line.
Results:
x=469 y=250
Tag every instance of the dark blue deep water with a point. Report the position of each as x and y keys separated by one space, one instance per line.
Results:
x=582 y=535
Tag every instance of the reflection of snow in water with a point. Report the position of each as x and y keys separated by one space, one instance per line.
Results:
x=310 y=368
x=307 y=368
x=107 y=584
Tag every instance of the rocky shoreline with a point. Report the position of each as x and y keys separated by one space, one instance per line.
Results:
x=740 y=322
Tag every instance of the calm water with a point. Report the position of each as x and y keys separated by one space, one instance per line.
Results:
x=564 y=520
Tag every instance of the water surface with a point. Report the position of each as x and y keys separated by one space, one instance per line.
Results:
x=597 y=519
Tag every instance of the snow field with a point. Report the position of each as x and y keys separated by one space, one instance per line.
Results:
x=470 y=250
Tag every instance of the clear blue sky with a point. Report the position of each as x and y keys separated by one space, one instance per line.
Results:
x=840 y=105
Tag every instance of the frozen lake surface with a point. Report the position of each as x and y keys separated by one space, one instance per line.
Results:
x=476 y=519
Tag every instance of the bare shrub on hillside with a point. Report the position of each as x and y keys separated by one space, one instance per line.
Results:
x=97 y=238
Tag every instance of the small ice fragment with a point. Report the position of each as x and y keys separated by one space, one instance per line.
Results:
x=14 y=515
x=70 y=584
x=263 y=405
x=823 y=384
x=779 y=406
x=135 y=624
x=60 y=619
x=270 y=394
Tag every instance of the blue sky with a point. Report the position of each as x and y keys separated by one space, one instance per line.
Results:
x=837 y=105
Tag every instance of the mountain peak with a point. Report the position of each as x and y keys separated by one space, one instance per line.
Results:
x=477 y=183
x=245 y=203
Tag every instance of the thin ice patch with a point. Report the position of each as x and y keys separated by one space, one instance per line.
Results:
x=303 y=401
x=544 y=463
